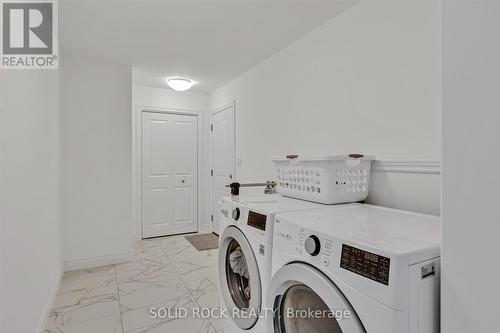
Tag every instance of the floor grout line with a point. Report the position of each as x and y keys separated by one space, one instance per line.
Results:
x=188 y=290
x=51 y=330
x=119 y=301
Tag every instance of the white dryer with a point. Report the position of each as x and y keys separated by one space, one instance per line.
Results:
x=366 y=269
x=247 y=227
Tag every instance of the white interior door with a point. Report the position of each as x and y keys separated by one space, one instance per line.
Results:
x=222 y=159
x=169 y=174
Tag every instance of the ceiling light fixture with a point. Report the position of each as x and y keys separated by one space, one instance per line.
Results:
x=180 y=83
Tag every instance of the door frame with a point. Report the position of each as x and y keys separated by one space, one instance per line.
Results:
x=137 y=163
x=212 y=114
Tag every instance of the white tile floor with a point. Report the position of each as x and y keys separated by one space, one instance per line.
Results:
x=165 y=273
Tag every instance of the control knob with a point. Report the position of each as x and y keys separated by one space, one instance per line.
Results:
x=312 y=245
x=236 y=214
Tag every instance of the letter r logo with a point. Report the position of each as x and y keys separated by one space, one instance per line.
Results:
x=27 y=28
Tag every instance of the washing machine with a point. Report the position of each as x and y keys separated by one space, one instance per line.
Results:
x=246 y=229
x=355 y=269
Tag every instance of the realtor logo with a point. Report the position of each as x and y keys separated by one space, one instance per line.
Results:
x=29 y=34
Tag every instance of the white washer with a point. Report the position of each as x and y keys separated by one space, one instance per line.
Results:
x=381 y=265
x=247 y=224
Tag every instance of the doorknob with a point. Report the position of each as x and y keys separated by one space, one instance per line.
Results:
x=230 y=176
x=183 y=181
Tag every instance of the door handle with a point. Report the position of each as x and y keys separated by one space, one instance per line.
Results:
x=183 y=181
x=230 y=176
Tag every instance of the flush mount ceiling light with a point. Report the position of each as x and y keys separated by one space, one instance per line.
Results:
x=180 y=83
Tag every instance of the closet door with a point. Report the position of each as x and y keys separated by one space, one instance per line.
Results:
x=169 y=174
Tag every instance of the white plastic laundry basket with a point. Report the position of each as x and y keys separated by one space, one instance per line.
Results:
x=328 y=180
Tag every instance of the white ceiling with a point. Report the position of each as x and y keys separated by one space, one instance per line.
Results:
x=210 y=41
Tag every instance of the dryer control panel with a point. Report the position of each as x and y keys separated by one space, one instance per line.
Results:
x=314 y=246
x=359 y=248
x=364 y=263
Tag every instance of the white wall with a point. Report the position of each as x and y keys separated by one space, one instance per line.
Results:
x=471 y=167
x=96 y=162
x=30 y=259
x=367 y=81
x=409 y=190
x=170 y=100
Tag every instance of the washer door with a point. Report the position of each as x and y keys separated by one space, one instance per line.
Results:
x=240 y=286
x=306 y=300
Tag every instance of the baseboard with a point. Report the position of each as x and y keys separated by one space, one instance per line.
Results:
x=428 y=167
x=42 y=323
x=71 y=265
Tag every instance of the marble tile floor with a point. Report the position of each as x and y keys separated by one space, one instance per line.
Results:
x=165 y=273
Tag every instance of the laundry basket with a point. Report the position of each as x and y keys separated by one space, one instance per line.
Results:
x=327 y=180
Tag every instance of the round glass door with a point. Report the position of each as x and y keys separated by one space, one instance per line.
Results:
x=239 y=278
x=299 y=300
x=237 y=275
x=307 y=301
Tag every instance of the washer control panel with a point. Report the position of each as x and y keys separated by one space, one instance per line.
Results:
x=257 y=220
x=250 y=220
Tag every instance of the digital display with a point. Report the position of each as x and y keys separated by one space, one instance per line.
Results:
x=364 y=263
x=257 y=220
